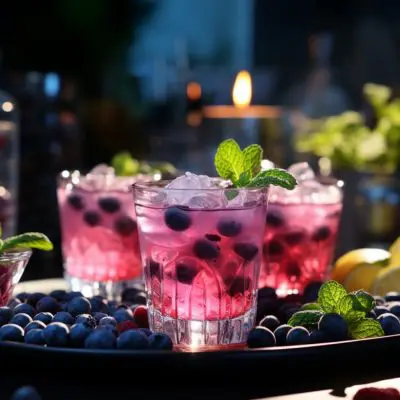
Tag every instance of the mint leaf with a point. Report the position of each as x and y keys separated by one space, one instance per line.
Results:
x=347 y=310
x=244 y=179
x=310 y=306
x=329 y=295
x=228 y=160
x=252 y=157
x=365 y=328
x=308 y=318
x=276 y=177
x=362 y=301
x=28 y=240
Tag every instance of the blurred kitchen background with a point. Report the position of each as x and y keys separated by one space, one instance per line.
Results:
x=83 y=80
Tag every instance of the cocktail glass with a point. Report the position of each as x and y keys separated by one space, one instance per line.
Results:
x=301 y=231
x=202 y=255
x=99 y=234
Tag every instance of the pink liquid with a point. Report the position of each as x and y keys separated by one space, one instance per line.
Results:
x=99 y=234
x=298 y=245
x=199 y=274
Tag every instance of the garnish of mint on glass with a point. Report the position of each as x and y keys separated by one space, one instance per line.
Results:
x=353 y=307
x=23 y=241
x=243 y=167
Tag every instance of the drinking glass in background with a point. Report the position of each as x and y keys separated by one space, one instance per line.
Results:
x=301 y=231
x=202 y=255
x=99 y=232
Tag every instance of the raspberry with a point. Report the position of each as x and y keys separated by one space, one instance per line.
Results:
x=141 y=317
x=126 y=326
x=371 y=393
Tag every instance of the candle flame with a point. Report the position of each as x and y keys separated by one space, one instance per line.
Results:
x=242 y=89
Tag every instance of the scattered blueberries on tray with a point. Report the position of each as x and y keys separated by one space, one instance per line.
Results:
x=70 y=320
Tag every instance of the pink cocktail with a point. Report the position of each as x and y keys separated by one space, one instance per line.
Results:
x=202 y=255
x=301 y=232
x=99 y=232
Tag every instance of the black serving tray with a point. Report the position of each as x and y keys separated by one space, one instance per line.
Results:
x=61 y=373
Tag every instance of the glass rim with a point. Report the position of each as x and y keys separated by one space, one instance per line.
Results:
x=157 y=186
x=16 y=254
x=68 y=174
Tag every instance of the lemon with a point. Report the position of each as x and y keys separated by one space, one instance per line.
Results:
x=358 y=257
x=362 y=276
x=394 y=250
x=387 y=280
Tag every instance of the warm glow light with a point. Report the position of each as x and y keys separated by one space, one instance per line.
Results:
x=193 y=91
x=242 y=90
x=7 y=106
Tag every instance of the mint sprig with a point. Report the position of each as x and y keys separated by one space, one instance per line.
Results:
x=243 y=167
x=28 y=240
x=353 y=307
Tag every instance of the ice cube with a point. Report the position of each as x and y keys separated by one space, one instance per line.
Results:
x=207 y=200
x=302 y=171
x=267 y=164
x=102 y=169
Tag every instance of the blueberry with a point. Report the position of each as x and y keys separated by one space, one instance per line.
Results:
x=92 y=218
x=72 y=295
x=33 y=298
x=334 y=326
x=260 y=337
x=108 y=321
x=205 y=249
x=394 y=308
x=177 y=219
x=44 y=317
x=270 y=322
x=287 y=310
x=87 y=319
x=245 y=250
x=154 y=269
x=146 y=331
x=379 y=300
x=294 y=237
x=78 y=334
x=11 y=332
x=160 y=341
x=35 y=336
x=64 y=317
x=21 y=319
x=13 y=302
x=98 y=316
x=113 y=329
x=59 y=295
x=133 y=340
x=321 y=234
x=274 y=248
x=34 y=325
x=280 y=334
x=140 y=298
x=56 y=334
x=77 y=202
x=109 y=204
x=212 y=237
x=23 y=296
x=298 y=335
x=122 y=315
x=24 y=309
x=112 y=307
x=48 y=304
x=26 y=393
x=275 y=219
x=101 y=338
x=392 y=296
x=125 y=225
x=389 y=323
x=267 y=292
x=310 y=293
x=266 y=306
x=79 y=305
x=319 y=337
x=371 y=314
x=239 y=285
x=186 y=273
x=98 y=305
x=379 y=310
x=5 y=315
x=229 y=227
